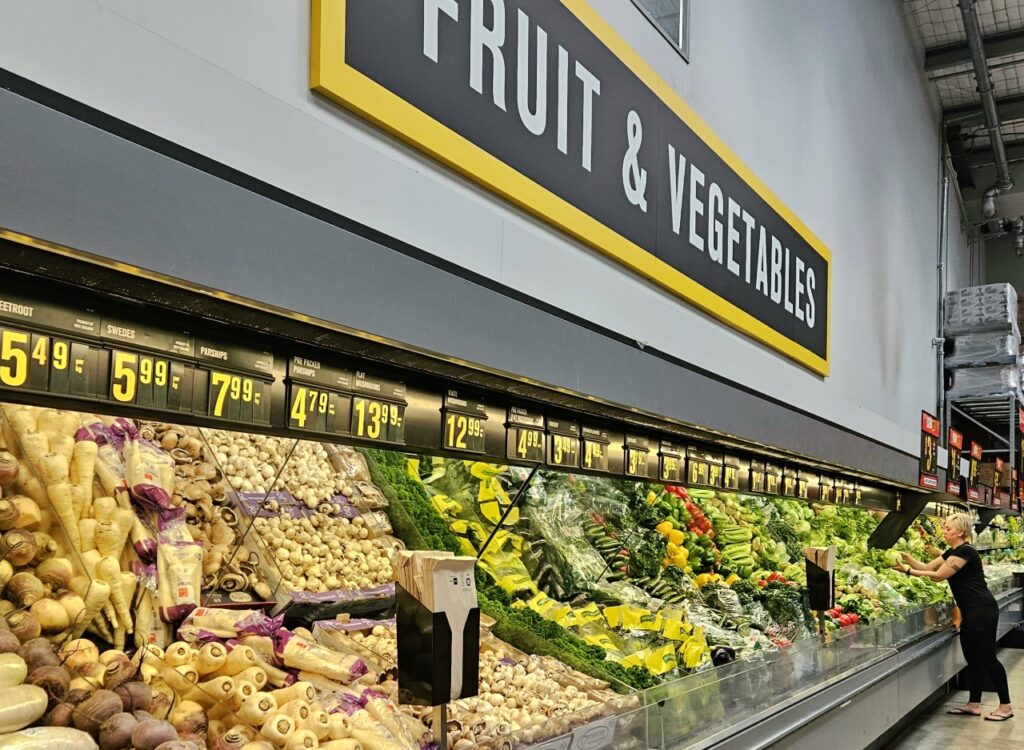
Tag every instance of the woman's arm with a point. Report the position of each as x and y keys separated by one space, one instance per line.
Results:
x=916 y=564
x=947 y=569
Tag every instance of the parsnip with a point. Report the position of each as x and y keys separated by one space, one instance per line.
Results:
x=97 y=595
x=85 y=467
x=108 y=570
x=35 y=445
x=60 y=499
x=87 y=532
x=63 y=445
x=53 y=468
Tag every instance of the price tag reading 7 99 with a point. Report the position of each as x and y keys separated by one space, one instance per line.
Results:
x=236 y=397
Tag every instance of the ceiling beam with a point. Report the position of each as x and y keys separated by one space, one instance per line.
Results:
x=1014 y=152
x=1009 y=108
x=958 y=53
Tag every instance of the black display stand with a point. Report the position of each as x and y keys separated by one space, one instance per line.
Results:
x=425 y=653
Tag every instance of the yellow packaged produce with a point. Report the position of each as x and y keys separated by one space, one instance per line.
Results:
x=598 y=637
x=677 y=630
x=636 y=618
x=590 y=613
x=613 y=616
x=661 y=660
x=637 y=659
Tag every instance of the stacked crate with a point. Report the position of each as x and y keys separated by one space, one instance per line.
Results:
x=982 y=343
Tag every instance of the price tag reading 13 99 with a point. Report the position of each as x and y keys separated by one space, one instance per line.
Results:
x=378 y=420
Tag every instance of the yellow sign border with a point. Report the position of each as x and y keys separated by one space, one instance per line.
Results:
x=330 y=76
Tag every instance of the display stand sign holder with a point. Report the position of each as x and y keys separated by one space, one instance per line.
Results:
x=438 y=623
x=929 y=474
x=821 y=583
x=955 y=446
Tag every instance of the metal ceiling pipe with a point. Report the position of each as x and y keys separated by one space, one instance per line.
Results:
x=1004 y=180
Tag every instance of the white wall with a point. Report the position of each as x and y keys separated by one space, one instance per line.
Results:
x=823 y=99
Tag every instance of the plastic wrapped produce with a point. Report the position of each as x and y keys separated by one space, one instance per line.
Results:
x=978 y=349
x=981 y=382
x=992 y=307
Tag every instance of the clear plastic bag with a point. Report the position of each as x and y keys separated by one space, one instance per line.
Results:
x=978 y=349
x=980 y=382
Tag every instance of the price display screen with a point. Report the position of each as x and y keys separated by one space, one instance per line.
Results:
x=318 y=410
x=374 y=419
x=319 y=397
x=150 y=381
x=731 y=473
x=525 y=435
x=595 y=449
x=773 y=479
x=238 y=398
x=789 y=482
x=564 y=443
x=670 y=462
x=826 y=491
x=804 y=482
x=462 y=426
x=637 y=449
x=758 y=480
x=378 y=409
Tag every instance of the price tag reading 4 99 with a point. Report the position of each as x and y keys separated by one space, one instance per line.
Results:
x=529 y=444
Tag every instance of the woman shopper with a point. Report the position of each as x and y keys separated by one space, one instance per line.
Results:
x=961 y=566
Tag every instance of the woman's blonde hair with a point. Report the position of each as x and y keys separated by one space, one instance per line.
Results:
x=962 y=524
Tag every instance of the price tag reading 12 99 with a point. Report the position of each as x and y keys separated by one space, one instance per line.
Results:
x=378 y=420
x=463 y=432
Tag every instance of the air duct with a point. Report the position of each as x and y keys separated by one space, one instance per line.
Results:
x=1018 y=236
x=1004 y=180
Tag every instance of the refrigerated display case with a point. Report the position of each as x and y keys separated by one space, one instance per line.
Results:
x=653 y=573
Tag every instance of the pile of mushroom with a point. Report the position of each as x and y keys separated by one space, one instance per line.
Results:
x=322 y=552
x=256 y=463
x=516 y=697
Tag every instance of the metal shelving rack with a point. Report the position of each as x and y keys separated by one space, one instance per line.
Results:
x=996 y=416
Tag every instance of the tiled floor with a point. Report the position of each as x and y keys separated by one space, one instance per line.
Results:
x=938 y=731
